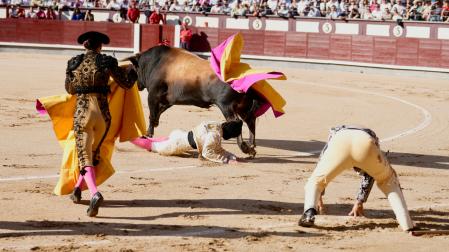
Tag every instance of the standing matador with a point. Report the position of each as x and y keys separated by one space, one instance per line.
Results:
x=87 y=77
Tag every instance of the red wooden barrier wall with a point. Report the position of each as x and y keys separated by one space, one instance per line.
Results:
x=356 y=48
x=150 y=35
x=62 y=32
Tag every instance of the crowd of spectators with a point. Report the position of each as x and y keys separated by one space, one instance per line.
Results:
x=417 y=10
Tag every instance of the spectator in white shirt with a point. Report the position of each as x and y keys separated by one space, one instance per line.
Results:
x=30 y=13
x=366 y=15
x=302 y=4
x=314 y=12
x=113 y=5
x=333 y=14
x=400 y=9
x=387 y=15
x=377 y=13
x=175 y=7
x=216 y=9
x=385 y=5
x=272 y=4
x=89 y=4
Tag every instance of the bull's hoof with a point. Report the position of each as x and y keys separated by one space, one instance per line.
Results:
x=252 y=152
x=244 y=147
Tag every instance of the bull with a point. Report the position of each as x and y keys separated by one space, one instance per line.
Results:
x=173 y=76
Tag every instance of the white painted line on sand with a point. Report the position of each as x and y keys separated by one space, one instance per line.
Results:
x=427 y=117
x=53 y=245
x=424 y=123
x=20 y=178
x=429 y=206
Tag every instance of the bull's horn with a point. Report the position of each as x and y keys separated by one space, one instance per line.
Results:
x=134 y=59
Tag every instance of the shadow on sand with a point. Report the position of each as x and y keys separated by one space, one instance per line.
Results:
x=314 y=147
x=427 y=219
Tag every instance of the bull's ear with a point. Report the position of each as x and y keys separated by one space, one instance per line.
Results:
x=134 y=59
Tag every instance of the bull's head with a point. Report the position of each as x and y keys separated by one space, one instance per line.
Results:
x=135 y=61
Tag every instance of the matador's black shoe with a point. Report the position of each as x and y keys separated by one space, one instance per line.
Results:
x=308 y=218
x=95 y=204
x=76 y=195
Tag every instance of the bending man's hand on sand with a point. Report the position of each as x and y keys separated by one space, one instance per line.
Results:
x=357 y=209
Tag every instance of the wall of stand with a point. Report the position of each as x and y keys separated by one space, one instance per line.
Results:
x=412 y=45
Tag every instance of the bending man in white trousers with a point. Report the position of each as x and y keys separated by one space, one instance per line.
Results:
x=354 y=147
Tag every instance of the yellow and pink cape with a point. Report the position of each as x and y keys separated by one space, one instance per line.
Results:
x=127 y=123
x=225 y=61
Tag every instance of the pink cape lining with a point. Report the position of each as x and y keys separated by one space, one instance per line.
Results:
x=40 y=108
x=216 y=54
x=264 y=108
x=245 y=83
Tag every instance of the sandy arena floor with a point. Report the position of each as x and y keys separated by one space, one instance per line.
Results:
x=159 y=203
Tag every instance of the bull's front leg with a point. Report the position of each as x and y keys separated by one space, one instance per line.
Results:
x=230 y=115
x=250 y=146
x=245 y=147
x=252 y=136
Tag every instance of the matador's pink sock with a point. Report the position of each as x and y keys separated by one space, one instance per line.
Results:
x=145 y=142
x=89 y=177
x=80 y=181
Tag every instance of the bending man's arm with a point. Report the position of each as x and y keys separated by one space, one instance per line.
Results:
x=366 y=184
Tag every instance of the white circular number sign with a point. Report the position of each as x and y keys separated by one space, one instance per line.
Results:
x=327 y=27
x=188 y=20
x=398 y=31
x=257 y=24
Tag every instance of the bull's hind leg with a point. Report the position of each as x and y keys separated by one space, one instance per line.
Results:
x=153 y=105
x=156 y=110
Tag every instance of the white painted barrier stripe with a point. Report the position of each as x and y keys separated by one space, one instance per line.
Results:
x=20 y=178
x=177 y=36
x=136 y=38
x=59 y=46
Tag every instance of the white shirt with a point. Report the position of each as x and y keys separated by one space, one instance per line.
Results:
x=314 y=12
x=302 y=5
x=113 y=5
x=377 y=14
x=216 y=9
x=16 y=2
x=272 y=4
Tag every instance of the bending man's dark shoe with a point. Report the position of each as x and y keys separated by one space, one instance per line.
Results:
x=95 y=204
x=76 y=195
x=308 y=218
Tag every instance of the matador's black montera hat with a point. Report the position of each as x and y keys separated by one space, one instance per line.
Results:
x=94 y=36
